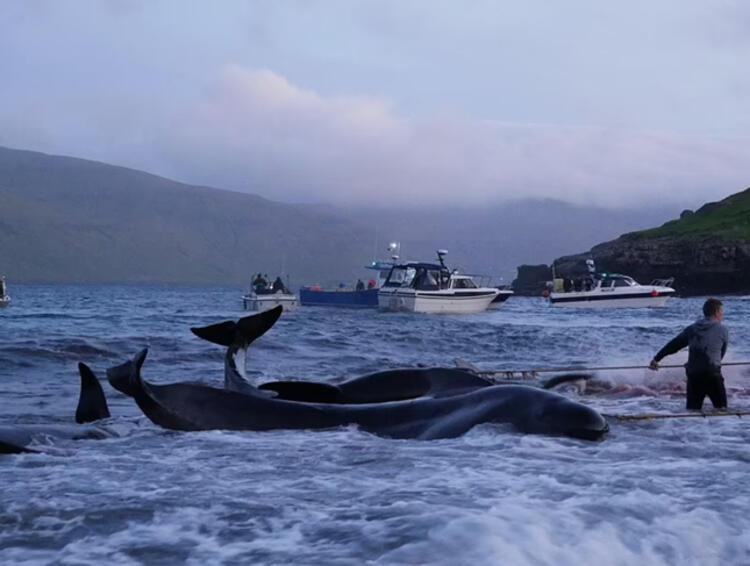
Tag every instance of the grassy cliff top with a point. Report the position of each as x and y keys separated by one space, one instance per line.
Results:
x=728 y=219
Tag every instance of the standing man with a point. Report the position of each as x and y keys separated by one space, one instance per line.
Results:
x=707 y=339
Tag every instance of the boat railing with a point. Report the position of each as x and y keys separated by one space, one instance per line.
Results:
x=667 y=282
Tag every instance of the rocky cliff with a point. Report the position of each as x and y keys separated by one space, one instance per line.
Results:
x=707 y=252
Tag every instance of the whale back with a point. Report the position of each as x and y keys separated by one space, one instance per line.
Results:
x=401 y=384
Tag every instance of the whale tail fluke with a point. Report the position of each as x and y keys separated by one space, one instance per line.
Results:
x=92 y=404
x=241 y=333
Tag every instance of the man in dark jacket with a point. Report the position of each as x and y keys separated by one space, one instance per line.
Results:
x=707 y=340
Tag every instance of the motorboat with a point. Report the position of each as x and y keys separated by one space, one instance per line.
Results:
x=263 y=296
x=609 y=290
x=360 y=296
x=433 y=288
x=253 y=301
x=4 y=297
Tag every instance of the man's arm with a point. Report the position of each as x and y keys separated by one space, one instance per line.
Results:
x=674 y=345
x=726 y=343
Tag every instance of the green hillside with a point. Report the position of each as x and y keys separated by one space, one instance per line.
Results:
x=728 y=220
x=72 y=220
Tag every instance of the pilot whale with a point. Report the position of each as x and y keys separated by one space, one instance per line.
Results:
x=440 y=408
x=92 y=407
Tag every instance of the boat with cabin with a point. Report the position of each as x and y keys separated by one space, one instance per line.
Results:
x=609 y=290
x=433 y=288
x=4 y=297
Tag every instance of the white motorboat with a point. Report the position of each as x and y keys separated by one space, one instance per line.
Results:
x=610 y=290
x=432 y=288
x=253 y=301
x=4 y=297
x=264 y=295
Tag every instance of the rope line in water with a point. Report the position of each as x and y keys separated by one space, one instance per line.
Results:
x=532 y=372
x=655 y=416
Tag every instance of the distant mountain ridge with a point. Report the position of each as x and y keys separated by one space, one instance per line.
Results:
x=70 y=220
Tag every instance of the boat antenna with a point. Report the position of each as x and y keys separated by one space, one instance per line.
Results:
x=395 y=249
x=441 y=254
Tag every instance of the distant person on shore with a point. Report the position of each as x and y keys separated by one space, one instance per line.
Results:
x=360 y=285
x=707 y=339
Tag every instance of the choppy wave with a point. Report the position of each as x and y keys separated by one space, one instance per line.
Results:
x=654 y=492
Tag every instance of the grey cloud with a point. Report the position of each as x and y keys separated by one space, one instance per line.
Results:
x=257 y=131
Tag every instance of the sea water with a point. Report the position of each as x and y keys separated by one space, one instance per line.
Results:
x=653 y=492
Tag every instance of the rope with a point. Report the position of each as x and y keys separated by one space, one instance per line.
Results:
x=533 y=371
x=654 y=416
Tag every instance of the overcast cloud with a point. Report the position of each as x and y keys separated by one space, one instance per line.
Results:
x=423 y=103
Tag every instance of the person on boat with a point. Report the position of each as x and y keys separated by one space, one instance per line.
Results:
x=371 y=284
x=707 y=339
x=360 y=285
x=260 y=284
x=278 y=285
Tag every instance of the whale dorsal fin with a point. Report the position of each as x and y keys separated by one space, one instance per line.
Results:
x=92 y=404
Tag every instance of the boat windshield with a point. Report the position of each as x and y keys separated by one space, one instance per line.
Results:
x=400 y=276
x=463 y=283
x=618 y=281
x=427 y=279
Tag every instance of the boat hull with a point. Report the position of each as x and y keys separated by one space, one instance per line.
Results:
x=500 y=299
x=435 y=302
x=258 y=303
x=4 y=301
x=593 y=300
x=366 y=299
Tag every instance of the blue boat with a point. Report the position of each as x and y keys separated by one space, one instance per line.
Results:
x=367 y=298
x=314 y=296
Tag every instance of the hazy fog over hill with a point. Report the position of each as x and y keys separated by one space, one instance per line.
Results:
x=72 y=220
x=417 y=104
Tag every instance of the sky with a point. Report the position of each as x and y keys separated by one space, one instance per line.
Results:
x=407 y=103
